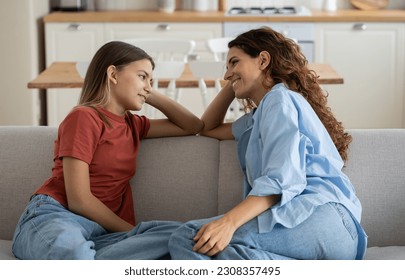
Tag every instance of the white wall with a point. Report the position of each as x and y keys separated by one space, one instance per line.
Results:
x=21 y=60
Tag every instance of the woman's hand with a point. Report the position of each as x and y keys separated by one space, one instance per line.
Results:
x=213 y=237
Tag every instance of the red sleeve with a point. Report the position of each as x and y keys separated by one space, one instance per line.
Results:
x=142 y=125
x=79 y=134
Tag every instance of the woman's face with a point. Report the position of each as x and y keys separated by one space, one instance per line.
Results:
x=246 y=74
x=130 y=86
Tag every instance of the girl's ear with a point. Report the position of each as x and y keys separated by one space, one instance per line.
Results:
x=112 y=74
x=265 y=58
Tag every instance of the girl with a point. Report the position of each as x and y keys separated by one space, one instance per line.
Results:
x=85 y=210
x=298 y=203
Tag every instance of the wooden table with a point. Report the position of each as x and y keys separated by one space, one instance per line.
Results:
x=65 y=75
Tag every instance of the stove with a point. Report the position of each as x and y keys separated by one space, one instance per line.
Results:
x=269 y=11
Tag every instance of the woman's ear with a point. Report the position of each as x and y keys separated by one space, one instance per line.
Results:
x=112 y=74
x=264 y=57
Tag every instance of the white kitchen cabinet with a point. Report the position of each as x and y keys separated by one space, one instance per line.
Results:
x=370 y=57
x=68 y=42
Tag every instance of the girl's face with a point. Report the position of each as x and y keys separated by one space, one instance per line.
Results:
x=130 y=86
x=246 y=74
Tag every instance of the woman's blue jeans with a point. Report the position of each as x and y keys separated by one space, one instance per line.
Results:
x=329 y=233
x=47 y=230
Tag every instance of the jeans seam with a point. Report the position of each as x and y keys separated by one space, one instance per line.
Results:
x=346 y=223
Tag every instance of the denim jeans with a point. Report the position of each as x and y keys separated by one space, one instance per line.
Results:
x=329 y=233
x=47 y=230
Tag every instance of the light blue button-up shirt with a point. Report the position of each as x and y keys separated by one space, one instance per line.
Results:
x=284 y=149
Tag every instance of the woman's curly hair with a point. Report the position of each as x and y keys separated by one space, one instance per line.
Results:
x=289 y=66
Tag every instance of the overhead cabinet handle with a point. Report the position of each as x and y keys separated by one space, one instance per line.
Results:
x=163 y=27
x=74 y=27
x=359 y=26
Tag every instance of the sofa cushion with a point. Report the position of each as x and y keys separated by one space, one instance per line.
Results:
x=5 y=250
x=176 y=179
x=230 y=187
x=386 y=253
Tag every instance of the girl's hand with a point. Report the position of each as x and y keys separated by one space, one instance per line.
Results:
x=228 y=88
x=213 y=237
x=152 y=96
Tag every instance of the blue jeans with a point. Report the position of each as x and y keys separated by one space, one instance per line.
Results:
x=47 y=230
x=329 y=233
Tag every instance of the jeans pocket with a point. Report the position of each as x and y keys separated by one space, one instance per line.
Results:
x=347 y=219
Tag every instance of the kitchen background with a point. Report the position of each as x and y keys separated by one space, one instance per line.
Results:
x=23 y=56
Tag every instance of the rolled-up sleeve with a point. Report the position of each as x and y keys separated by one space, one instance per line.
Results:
x=283 y=152
x=241 y=125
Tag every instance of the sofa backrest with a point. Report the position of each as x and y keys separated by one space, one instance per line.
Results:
x=26 y=158
x=376 y=167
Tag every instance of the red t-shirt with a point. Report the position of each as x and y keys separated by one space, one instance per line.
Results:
x=109 y=151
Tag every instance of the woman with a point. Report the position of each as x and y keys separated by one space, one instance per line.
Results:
x=297 y=202
x=85 y=210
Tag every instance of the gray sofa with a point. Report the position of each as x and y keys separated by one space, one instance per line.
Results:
x=193 y=177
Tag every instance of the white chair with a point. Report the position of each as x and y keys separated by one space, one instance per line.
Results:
x=170 y=70
x=81 y=67
x=214 y=70
x=211 y=69
x=170 y=56
x=207 y=70
x=219 y=47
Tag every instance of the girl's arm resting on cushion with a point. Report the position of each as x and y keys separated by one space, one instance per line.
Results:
x=180 y=121
x=214 y=116
x=213 y=237
x=82 y=202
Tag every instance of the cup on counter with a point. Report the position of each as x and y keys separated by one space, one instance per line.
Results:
x=317 y=4
x=166 y=6
x=330 y=5
x=200 y=5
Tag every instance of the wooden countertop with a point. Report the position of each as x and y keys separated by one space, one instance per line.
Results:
x=349 y=15
x=65 y=75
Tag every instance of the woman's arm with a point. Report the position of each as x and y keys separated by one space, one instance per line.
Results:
x=213 y=237
x=213 y=117
x=180 y=121
x=82 y=202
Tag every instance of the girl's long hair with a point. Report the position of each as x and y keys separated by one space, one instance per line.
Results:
x=96 y=87
x=289 y=66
